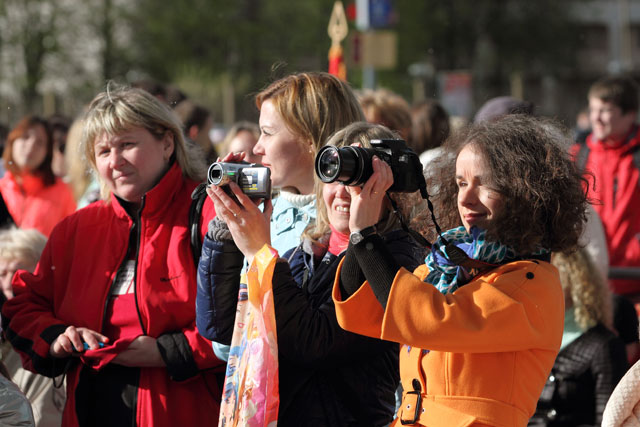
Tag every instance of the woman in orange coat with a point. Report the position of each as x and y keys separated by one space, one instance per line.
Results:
x=34 y=196
x=481 y=321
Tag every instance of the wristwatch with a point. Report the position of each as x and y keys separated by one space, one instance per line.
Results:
x=358 y=236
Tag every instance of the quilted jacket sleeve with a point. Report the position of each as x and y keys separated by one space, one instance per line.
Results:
x=218 y=285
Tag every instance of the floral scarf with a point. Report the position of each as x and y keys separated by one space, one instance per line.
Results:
x=448 y=277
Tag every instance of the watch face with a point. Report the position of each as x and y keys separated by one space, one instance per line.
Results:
x=355 y=238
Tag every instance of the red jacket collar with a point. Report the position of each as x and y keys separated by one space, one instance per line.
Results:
x=156 y=199
x=629 y=141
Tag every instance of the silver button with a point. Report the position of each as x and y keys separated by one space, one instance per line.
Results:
x=552 y=414
x=552 y=378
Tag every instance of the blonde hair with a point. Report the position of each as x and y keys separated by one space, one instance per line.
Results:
x=25 y=245
x=119 y=109
x=586 y=287
x=358 y=132
x=313 y=105
x=79 y=173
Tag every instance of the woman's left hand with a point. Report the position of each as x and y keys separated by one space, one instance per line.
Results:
x=142 y=352
x=248 y=225
x=366 y=202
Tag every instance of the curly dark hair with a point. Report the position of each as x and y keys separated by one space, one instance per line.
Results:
x=543 y=191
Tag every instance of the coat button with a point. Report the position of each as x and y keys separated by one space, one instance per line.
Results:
x=552 y=379
x=530 y=275
x=552 y=414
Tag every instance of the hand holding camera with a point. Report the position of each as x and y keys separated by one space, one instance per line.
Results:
x=352 y=165
x=236 y=203
x=367 y=201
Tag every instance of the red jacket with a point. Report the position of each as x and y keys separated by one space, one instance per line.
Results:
x=71 y=285
x=34 y=205
x=616 y=190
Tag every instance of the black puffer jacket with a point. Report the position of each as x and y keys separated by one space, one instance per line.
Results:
x=583 y=376
x=328 y=377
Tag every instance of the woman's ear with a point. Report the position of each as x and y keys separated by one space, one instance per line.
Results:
x=168 y=145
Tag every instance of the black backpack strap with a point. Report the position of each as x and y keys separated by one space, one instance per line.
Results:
x=581 y=157
x=6 y=219
x=636 y=158
x=198 y=196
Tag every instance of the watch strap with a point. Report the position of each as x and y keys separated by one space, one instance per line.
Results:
x=358 y=236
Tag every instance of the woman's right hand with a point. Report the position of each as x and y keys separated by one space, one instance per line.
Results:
x=71 y=342
x=249 y=226
x=367 y=202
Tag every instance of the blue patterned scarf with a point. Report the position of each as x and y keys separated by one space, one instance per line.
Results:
x=448 y=277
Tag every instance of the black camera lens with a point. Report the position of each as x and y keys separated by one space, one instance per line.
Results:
x=328 y=164
x=348 y=165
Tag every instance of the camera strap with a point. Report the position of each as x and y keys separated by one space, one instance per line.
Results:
x=198 y=197
x=413 y=233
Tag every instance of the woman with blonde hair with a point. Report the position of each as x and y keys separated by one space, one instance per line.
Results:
x=298 y=114
x=112 y=301
x=592 y=358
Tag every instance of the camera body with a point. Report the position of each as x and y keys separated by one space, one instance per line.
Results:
x=352 y=165
x=253 y=179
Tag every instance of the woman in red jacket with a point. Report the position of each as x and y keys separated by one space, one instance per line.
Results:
x=112 y=301
x=34 y=196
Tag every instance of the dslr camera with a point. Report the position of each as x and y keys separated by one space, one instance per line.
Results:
x=352 y=165
x=253 y=179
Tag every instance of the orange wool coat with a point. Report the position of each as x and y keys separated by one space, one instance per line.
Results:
x=491 y=343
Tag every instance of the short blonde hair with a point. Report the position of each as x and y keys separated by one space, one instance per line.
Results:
x=313 y=105
x=119 y=109
x=25 y=245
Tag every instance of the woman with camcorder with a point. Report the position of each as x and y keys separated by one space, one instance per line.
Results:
x=298 y=113
x=327 y=376
x=481 y=321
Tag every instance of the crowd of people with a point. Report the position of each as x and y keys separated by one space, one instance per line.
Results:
x=499 y=288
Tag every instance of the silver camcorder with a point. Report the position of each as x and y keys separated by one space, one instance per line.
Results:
x=253 y=179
